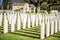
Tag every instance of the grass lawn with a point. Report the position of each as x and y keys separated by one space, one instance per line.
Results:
x=28 y=34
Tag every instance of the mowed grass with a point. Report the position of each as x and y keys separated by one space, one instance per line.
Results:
x=27 y=34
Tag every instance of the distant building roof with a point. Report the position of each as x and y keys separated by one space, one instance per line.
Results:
x=19 y=4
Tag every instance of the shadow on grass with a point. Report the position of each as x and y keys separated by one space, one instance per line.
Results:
x=56 y=35
x=33 y=30
x=1 y=29
x=29 y=32
x=32 y=33
x=26 y=35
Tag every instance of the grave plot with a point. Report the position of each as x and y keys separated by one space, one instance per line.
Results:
x=47 y=24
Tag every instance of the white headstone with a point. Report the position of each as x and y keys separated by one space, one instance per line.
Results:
x=15 y=17
x=5 y=23
x=33 y=19
x=10 y=18
x=46 y=18
x=47 y=26
x=28 y=20
x=52 y=25
x=59 y=24
x=1 y=19
x=12 y=23
x=24 y=20
x=36 y=19
x=40 y=19
x=56 y=25
x=18 y=22
x=42 y=29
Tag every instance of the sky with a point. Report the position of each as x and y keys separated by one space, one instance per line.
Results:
x=1 y=1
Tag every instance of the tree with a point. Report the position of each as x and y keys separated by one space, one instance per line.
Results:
x=36 y=3
x=49 y=4
x=5 y=3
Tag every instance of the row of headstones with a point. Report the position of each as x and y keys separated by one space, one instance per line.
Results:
x=50 y=25
x=18 y=18
x=50 y=20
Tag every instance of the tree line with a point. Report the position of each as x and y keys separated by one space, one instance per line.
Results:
x=34 y=2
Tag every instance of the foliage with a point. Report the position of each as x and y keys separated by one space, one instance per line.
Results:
x=36 y=3
x=5 y=3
